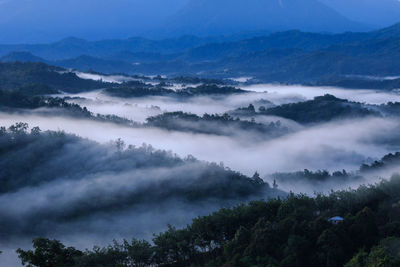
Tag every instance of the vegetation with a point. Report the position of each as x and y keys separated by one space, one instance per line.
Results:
x=389 y=160
x=196 y=80
x=294 y=231
x=315 y=177
x=209 y=89
x=44 y=78
x=362 y=83
x=16 y=101
x=213 y=124
x=24 y=171
x=320 y=109
x=140 y=89
x=117 y=177
x=276 y=57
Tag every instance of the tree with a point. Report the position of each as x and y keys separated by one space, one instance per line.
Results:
x=49 y=253
x=35 y=130
x=18 y=128
x=359 y=260
x=120 y=144
x=256 y=177
x=140 y=252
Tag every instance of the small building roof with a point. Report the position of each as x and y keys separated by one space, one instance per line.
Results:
x=337 y=218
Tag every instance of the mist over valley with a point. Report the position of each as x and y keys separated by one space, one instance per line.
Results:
x=199 y=133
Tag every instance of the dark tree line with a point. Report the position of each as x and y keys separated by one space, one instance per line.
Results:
x=213 y=124
x=141 y=177
x=294 y=231
x=17 y=75
x=323 y=109
x=316 y=176
x=142 y=89
x=14 y=100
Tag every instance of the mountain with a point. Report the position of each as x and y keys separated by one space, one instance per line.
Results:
x=282 y=57
x=21 y=57
x=15 y=76
x=204 y=17
x=276 y=57
x=74 y=47
x=380 y=13
x=88 y=63
x=388 y=32
x=26 y=21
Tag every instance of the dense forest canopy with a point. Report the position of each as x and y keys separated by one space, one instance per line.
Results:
x=140 y=89
x=322 y=109
x=15 y=75
x=214 y=124
x=295 y=231
x=119 y=178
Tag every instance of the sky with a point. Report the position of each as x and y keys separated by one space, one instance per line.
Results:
x=36 y=21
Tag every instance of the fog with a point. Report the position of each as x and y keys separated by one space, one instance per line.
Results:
x=327 y=146
x=309 y=92
x=85 y=193
x=105 y=181
x=138 y=109
x=104 y=78
x=323 y=146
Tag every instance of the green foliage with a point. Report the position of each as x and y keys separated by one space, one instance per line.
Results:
x=213 y=124
x=386 y=254
x=362 y=83
x=49 y=253
x=290 y=232
x=315 y=177
x=209 y=89
x=137 y=89
x=40 y=78
x=196 y=80
x=323 y=109
x=17 y=100
x=320 y=109
x=140 y=89
x=140 y=252
x=38 y=160
x=388 y=160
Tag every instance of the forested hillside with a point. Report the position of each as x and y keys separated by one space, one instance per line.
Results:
x=295 y=231
x=118 y=177
x=42 y=77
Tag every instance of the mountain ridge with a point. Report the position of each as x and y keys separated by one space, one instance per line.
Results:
x=213 y=17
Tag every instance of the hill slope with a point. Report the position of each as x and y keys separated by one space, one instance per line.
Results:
x=216 y=17
x=17 y=75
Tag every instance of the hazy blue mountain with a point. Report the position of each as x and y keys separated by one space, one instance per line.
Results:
x=372 y=12
x=23 y=21
x=26 y=21
x=279 y=57
x=88 y=63
x=306 y=41
x=74 y=47
x=21 y=57
x=215 y=17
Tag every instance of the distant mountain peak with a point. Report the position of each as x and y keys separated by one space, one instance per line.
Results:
x=206 y=17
